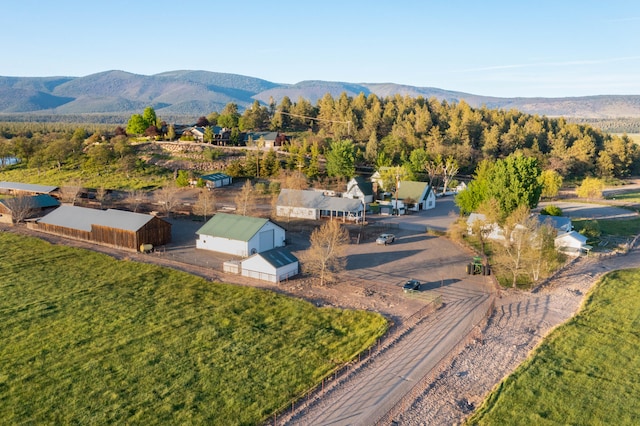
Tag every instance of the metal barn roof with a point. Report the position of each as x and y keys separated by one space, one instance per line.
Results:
x=278 y=257
x=40 y=201
x=27 y=187
x=215 y=176
x=82 y=218
x=232 y=226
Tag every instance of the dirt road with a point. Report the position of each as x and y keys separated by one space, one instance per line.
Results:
x=520 y=322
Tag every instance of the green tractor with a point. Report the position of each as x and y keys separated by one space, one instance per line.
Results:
x=476 y=267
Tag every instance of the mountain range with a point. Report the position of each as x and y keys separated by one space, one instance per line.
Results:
x=197 y=93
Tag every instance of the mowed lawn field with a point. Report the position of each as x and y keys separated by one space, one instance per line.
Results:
x=587 y=372
x=87 y=339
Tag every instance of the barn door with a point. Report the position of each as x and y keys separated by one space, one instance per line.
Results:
x=266 y=240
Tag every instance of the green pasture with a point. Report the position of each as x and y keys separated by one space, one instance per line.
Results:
x=108 y=177
x=585 y=372
x=608 y=233
x=632 y=197
x=87 y=339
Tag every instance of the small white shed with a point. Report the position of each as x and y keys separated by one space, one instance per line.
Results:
x=572 y=243
x=274 y=265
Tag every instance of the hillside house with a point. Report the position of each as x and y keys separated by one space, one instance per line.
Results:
x=26 y=207
x=307 y=204
x=273 y=265
x=239 y=235
x=270 y=139
x=115 y=228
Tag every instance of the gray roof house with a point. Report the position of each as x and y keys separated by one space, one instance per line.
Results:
x=308 y=204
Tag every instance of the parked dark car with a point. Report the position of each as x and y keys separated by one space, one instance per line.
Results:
x=412 y=285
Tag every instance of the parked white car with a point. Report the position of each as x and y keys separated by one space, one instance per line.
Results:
x=385 y=239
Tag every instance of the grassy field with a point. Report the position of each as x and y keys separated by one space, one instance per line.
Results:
x=585 y=373
x=633 y=197
x=87 y=339
x=109 y=177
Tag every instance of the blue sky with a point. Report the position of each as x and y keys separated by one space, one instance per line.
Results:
x=492 y=48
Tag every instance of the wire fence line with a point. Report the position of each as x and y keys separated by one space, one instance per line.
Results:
x=481 y=318
x=348 y=371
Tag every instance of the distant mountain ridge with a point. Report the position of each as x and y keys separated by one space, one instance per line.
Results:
x=196 y=93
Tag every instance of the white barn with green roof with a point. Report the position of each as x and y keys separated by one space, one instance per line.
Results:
x=239 y=235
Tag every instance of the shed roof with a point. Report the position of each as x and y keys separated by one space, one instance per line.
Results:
x=27 y=187
x=278 y=257
x=83 y=218
x=232 y=226
x=574 y=235
x=215 y=176
x=40 y=201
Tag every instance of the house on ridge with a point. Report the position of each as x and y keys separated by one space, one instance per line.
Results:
x=239 y=235
x=270 y=139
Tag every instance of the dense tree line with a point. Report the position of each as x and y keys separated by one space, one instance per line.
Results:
x=411 y=131
x=421 y=135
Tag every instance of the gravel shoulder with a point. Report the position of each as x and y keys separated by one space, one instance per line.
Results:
x=520 y=322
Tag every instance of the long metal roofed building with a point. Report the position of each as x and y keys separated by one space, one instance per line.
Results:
x=25 y=188
x=116 y=228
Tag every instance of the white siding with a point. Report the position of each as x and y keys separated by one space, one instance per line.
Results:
x=258 y=268
x=223 y=245
x=299 y=212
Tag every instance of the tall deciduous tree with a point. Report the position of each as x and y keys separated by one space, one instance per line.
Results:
x=449 y=170
x=206 y=204
x=245 y=199
x=519 y=232
x=341 y=159
x=514 y=182
x=21 y=207
x=167 y=198
x=590 y=188
x=325 y=257
x=551 y=182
